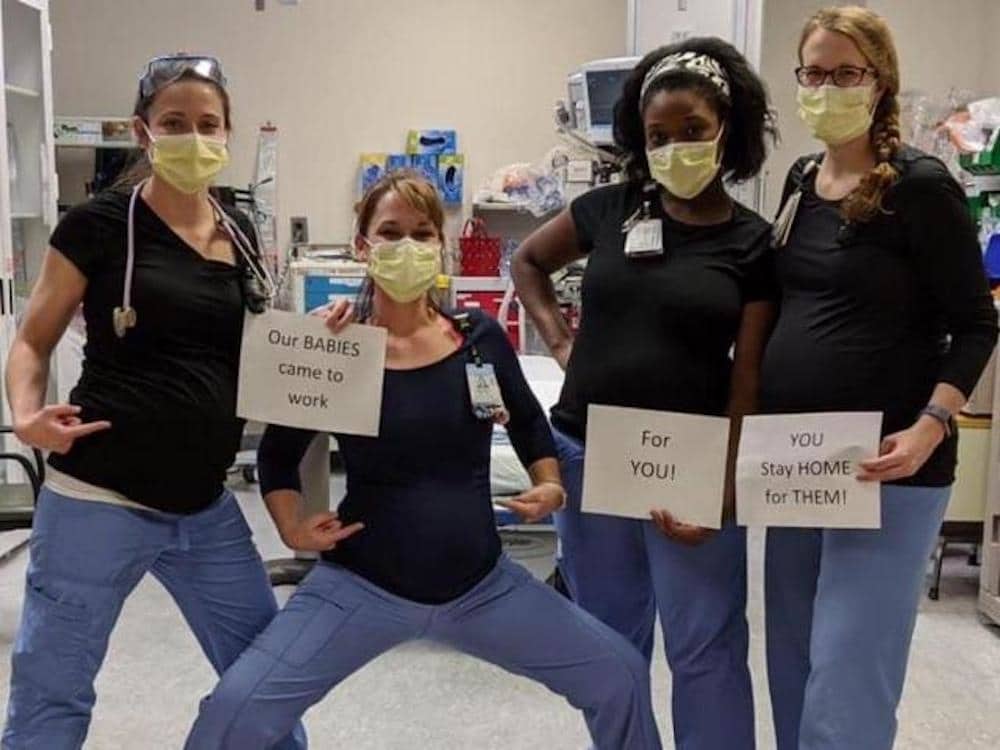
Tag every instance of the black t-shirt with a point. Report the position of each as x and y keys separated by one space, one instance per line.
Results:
x=874 y=315
x=169 y=386
x=656 y=332
x=422 y=487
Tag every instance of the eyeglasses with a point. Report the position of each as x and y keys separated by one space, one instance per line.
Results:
x=843 y=76
x=162 y=70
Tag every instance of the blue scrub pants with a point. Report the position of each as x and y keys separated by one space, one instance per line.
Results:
x=337 y=621
x=841 y=605
x=623 y=571
x=86 y=558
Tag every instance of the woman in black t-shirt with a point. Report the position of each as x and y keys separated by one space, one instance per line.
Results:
x=884 y=307
x=139 y=455
x=659 y=322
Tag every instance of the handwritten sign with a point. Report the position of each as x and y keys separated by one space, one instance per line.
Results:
x=800 y=470
x=639 y=460
x=295 y=372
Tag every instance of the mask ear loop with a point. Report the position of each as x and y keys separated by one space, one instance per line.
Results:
x=355 y=233
x=149 y=137
x=718 y=143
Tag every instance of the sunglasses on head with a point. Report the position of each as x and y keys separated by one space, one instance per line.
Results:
x=166 y=68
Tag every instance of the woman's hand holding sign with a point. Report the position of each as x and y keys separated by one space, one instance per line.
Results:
x=903 y=453
x=337 y=315
x=684 y=533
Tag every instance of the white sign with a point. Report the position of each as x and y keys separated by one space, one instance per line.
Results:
x=295 y=372
x=639 y=460
x=800 y=470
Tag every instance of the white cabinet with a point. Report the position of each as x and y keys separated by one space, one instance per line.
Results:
x=28 y=191
x=653 y=23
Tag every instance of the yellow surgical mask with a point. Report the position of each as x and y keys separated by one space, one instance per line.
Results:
x=189 y=162
x=685 y=169
x=836 y=114
x=404 y=269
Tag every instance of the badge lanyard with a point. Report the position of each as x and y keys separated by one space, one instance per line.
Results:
x=124 y=317
x=484 y=388
x=782 y=228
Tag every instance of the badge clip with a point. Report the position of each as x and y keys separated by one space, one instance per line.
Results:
x=644 y=234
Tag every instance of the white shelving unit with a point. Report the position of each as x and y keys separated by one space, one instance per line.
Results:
x=510 y=221
x=94 y=132
x=514 y=208
x=28 y=188
x=479 y=284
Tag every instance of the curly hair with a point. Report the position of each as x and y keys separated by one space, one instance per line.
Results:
x=748 y=119
x=871 y=34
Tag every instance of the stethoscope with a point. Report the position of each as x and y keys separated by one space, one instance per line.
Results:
x=124 y=317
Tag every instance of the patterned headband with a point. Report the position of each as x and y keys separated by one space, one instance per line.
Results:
x=689 y=62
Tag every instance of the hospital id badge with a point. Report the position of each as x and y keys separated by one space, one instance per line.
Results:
x=484 y=390
x=644 y=239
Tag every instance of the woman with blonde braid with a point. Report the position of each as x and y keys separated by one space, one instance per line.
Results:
x=884 y=307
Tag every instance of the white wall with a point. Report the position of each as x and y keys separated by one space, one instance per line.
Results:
x=940 y=45
x=344 y=76
x=341 y=77
x=664 y=22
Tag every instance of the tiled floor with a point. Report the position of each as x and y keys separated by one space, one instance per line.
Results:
x=420 y=697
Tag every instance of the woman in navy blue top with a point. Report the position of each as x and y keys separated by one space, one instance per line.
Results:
x=422 y=487
x=413 y=550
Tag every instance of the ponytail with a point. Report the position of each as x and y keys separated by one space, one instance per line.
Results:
x=866 y=200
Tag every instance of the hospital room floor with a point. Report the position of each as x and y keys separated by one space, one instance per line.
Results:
x=421 y=697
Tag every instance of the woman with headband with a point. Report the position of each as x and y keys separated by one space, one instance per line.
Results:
x=678 y=273
x=139 y=455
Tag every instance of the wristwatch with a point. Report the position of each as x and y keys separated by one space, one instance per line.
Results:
x=942 y=415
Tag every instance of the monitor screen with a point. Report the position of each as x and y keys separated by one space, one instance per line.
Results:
x=603 y=89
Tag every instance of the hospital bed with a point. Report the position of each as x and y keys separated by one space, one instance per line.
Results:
x=507 y=477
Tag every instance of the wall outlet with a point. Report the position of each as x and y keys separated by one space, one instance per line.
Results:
x=580 y=170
